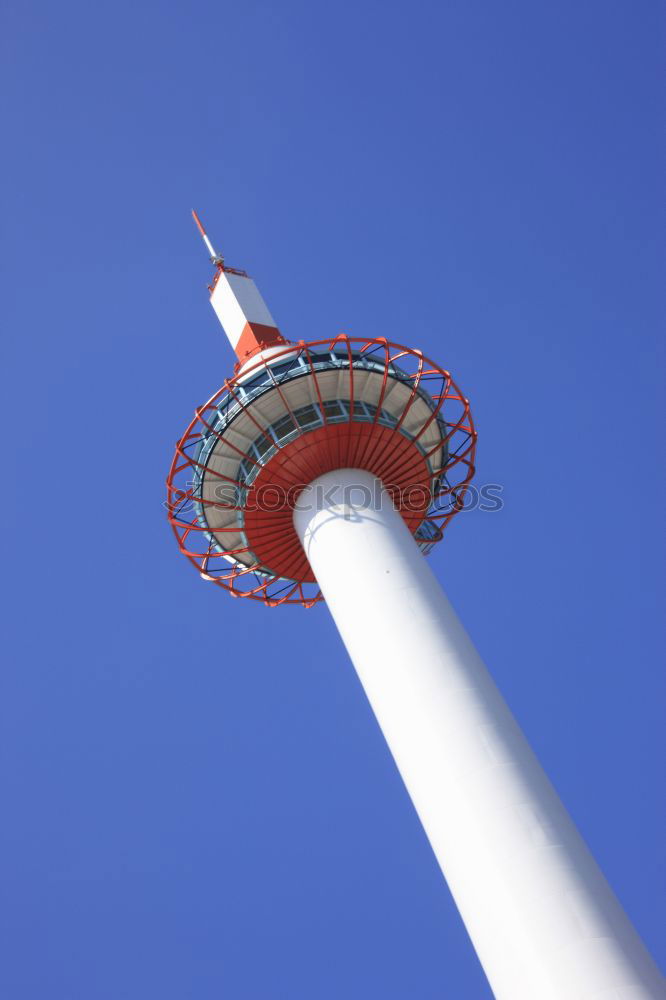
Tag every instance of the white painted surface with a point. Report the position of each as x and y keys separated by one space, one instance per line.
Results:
x=253 y=364
x=236 y=301
x=209 y=246
x=543 y=920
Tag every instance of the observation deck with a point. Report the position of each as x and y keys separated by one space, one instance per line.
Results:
x=293 y=413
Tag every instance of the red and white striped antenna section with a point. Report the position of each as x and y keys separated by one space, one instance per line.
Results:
x=204 y=235
x=240 y=307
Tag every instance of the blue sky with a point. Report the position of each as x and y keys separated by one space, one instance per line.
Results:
x=196 y=799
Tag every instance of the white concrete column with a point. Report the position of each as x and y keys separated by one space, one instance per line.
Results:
x=543 y=919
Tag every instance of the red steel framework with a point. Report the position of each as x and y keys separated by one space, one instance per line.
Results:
x=270 y=565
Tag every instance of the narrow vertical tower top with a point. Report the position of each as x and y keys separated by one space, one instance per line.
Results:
x=239 y=306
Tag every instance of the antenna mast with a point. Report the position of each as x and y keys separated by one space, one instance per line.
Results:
x=215 y=257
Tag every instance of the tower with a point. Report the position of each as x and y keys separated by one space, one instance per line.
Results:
x=326 y=470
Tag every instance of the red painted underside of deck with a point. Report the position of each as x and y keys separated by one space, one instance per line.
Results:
x=380 y=450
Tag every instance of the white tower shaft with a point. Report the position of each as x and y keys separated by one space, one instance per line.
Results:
x=543 y=919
